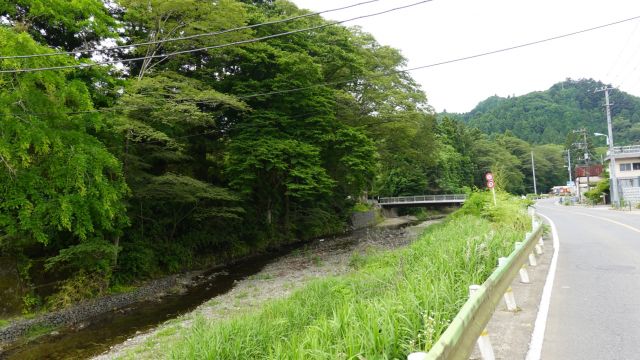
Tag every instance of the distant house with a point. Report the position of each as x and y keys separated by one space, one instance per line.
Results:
x=627 y=171
x=584 y=175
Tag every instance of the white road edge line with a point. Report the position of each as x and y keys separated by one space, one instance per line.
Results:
x=537 y=338
x=611 y=221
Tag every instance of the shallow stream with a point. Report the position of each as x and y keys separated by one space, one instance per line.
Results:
x=100 y=333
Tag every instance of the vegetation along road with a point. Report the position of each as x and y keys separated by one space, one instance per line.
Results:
x=594 y=312
x=142 y=141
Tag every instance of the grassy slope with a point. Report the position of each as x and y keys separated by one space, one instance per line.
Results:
x=393 y=303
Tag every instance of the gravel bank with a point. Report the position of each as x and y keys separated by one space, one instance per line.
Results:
x=321 y=258
x=79 y=315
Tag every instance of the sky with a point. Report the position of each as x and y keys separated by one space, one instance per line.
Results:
x=447 y=29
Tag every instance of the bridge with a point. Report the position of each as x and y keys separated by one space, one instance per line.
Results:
x=422 y=200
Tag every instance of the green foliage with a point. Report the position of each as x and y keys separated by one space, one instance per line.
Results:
x=546 y=117
x=404 y=299
x=79 y=287
x=207 y=156
x=595 y=195
x=360 y=207
x=30 y=303
x=60 y=186
x=60 y=23
x=94 y=254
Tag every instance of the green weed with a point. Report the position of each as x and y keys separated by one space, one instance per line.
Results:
x=38 y=330
x=393 y=302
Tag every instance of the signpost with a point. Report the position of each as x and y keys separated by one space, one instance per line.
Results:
x=491 y=185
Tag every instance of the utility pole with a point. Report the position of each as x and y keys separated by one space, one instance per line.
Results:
x=586 y=157
x=533 y=169
x=584 y=146
x=569 y=158
x=615 y=198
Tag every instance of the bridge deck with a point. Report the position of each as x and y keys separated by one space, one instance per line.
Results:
x=423 y=199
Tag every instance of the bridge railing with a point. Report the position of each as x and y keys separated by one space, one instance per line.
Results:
x=423 y=198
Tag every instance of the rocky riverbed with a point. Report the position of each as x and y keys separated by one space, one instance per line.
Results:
x=78 y=316
x=324 y=257
x=96 y=325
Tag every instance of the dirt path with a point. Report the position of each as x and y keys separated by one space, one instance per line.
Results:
x=325 y=257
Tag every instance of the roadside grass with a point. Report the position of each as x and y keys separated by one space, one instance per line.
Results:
x=393 y=302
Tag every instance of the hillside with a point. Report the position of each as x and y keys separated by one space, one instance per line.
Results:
x=547 y=116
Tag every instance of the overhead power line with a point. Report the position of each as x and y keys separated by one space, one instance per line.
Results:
x=388 y=73
x=247 y=27
x=241 y=42
x=445 y=62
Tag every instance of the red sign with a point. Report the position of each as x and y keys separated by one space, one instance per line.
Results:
x=489 y=177
x=490 y=184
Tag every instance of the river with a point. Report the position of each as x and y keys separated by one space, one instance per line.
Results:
x=101 y=333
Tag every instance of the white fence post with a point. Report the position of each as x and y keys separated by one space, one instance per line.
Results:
x=538 y=249
x=417 y=356
x=509 y=299
x=524 y=275
x=532 y=260
x=484 y=342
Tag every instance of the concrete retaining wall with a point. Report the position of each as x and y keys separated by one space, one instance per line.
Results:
x=361 y=220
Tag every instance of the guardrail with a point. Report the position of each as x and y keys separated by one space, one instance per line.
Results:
x=468 y=327
x=422 y=198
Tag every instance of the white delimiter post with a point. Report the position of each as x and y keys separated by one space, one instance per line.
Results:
x=417 y=356
x=524 y=275
x=509 y=299
x=484 y=342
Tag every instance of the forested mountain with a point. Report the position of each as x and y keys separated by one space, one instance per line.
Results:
x=112 y=173
x=546 y=117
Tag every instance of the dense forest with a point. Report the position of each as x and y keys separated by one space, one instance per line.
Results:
x=546 y=117
x=162 y=160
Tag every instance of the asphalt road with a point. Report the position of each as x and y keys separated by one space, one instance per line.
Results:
x=595 y=303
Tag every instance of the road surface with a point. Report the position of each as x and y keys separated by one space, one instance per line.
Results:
x=595 y=303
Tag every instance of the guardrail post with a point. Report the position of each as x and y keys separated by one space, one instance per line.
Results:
x=524 y=275
x=532 y=260
x=538 y=249
x=417 y=356
x=484 y=342
x=509 y=299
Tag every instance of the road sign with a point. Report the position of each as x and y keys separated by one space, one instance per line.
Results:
x=490 y=184
x=489 y=177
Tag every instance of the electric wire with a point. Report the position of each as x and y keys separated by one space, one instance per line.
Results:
x=388 y=73
x=194 y=36
x=451 y=61
x=235 y=43
x=617 y=59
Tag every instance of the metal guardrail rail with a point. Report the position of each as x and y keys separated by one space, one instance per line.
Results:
x=458 y=341
x=422 y=199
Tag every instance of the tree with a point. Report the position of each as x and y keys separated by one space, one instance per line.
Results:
x=61 y=24
x=60 y=186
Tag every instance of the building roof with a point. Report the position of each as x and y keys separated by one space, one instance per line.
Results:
x=625 y=152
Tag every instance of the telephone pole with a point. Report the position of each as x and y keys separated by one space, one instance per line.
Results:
x=533 y=168
x=569 y=167
x=584 y=146
x=615 y=199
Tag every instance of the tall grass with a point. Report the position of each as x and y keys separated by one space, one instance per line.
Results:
x=392 y=304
